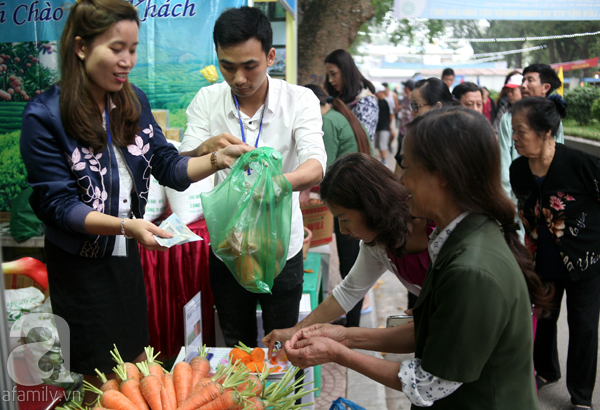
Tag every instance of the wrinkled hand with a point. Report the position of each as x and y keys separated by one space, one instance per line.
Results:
x=216 y=143
x=283 y=335
x=334 y=332
x=226 y=156
x=143 y=231
x=311 y=352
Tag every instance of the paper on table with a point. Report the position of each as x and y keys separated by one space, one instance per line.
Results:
x=181 y=233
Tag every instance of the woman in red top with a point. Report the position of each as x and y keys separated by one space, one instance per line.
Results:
x=370 y=205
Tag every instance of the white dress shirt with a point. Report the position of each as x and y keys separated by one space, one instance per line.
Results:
x=292 y=125
x=125 y=188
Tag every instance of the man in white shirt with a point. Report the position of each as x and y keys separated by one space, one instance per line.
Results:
x=253 y=108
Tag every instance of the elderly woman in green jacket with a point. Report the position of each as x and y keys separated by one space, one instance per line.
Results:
x=472 y=332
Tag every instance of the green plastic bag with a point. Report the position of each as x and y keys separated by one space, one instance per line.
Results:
x=249 y=219
x=23 y=222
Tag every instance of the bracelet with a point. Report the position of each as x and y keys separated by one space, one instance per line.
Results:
x=123 y=230
x=213 y=161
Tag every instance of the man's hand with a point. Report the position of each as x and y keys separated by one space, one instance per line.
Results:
x=214 y=144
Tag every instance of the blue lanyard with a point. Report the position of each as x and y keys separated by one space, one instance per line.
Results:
x=237 y=106
x=107 y=124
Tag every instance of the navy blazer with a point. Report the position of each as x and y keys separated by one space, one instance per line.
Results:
x=70 y=180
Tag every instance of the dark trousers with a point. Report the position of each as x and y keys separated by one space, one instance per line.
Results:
x=236 y=306
x=347 y=249
x=583 y=307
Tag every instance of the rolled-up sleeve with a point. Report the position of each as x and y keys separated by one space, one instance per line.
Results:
x=308 y=130
x=198 y=124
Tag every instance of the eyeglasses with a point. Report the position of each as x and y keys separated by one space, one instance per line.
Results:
x=415 y=107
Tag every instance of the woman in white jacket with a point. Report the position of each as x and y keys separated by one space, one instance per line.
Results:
x=370 y=205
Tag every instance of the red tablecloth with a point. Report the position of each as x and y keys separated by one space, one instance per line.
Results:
x=172 y=279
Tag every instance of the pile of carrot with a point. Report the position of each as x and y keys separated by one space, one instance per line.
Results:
x=253 y=358
x=147 y=386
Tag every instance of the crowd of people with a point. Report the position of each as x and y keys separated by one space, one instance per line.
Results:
x=488 y=219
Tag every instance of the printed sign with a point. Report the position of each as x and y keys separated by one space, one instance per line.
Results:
x=493 y=10
x=192 y=326
x=175 y=44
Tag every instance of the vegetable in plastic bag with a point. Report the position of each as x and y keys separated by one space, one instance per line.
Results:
x=249 y=218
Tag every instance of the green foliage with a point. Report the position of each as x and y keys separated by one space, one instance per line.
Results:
x=579 y=103
x=590 y=131
x=13 y=176
x=596 y=110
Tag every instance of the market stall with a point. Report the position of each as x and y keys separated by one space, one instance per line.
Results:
x=172 y=279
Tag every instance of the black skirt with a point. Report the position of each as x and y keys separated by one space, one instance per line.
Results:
x=103 y=300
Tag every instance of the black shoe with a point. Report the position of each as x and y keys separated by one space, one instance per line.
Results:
x=580 y=407
x=541 y=382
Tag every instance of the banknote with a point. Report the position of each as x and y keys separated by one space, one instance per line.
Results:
x=181 y=233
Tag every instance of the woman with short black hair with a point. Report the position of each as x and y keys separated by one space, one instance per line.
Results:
x=558 y=194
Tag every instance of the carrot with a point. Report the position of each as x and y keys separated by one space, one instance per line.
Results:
x=221 y=370
x=207 y=394
x=238 y=354
x=255 y=403
x=257 y=355
x=276 y=369
x=213 y=390
x=132 y=370
x=255 y=367
x=113 y=399
x=165 y=400
x=200 y=365
x=130 y=388
x=170 y=387
x=153 y=365
x=223 y=402
x=258 y=384
x=182 y=379
x=107 y=384
x=150 y=387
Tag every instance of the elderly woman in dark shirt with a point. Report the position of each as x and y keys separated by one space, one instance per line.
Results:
x=558 y=193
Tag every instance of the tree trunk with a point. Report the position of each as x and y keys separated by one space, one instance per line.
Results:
x=327 y=25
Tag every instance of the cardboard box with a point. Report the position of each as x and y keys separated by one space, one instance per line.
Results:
x=319 y=220
x=173 y=134
x=162 y=118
